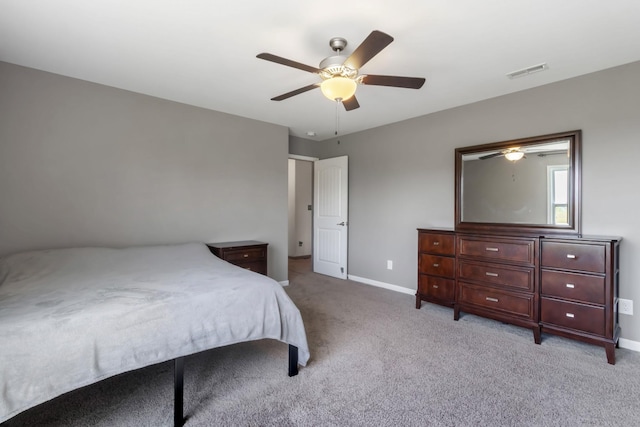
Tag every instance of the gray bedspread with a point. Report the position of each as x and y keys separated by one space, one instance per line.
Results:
x=71 y=317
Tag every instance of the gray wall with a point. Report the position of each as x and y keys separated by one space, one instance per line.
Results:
x=305 y=147
x=401 y=176
x=84 y=164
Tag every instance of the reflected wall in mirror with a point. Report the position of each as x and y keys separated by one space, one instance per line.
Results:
x=529 y=185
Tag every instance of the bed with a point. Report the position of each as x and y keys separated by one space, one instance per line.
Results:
x=72 y=317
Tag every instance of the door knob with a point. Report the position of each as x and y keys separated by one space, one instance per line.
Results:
x=341 y=223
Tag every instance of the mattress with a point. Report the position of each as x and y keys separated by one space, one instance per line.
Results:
x=71 y=317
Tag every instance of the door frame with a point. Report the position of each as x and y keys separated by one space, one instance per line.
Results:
x=311 y=160
x=313 y=172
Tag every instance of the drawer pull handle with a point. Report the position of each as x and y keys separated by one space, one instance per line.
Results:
x=246 y=255
x=491 y=274
x=571 y=315
x=491 y=249
x=436 y=265
x=570 y=256
x=435 y=286
x=436 y=243
x=491 y=299
x=571 y=285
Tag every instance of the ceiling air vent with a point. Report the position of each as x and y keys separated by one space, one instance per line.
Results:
x=527 y=71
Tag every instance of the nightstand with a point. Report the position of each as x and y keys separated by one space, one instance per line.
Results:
x=249 y=254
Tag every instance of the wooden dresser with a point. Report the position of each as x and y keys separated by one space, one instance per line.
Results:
x=579 y=290
x=566 y=286
x=496 y=278
x=436 y=267
x=249 y=254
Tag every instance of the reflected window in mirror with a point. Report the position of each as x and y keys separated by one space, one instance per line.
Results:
x=558 y=193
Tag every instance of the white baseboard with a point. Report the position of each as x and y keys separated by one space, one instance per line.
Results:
x=284 y=283
x=623 y=342
x=629 y=344
x=384 y=285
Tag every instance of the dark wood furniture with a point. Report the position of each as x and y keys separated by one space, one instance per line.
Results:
x=436 y=267
x=579 y=290
x=249 y=254
x=517 y=251
x=497 y=278
x=565 y=286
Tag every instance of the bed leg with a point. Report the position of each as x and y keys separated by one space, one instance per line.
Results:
x=293 y=360
x=178 y=383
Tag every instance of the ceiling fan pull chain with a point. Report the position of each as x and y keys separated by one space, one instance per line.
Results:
x=337 y=116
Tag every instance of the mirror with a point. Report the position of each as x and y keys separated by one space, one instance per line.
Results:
x=523 y=186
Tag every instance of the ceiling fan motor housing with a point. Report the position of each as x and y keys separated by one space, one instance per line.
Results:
x=333 y=67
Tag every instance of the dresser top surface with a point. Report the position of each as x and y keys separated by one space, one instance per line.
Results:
x=437 y=230
x=585 y=238
x=236 y=244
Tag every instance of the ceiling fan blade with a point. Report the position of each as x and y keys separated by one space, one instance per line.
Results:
x=287 y=62
x=550 y=153
x=351 y=103
x=370 y=47
x=394 y=81
x=490 y=156
x=295 y=92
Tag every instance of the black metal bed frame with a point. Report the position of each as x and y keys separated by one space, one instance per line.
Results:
x=178 y=383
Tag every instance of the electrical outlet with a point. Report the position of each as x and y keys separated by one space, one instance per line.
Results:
x=389 y=264
x=300 y=244
x=625 y=306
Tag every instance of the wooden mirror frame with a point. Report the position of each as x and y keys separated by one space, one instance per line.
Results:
x=574 y=195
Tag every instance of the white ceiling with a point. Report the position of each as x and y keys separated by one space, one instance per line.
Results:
x=203 y=52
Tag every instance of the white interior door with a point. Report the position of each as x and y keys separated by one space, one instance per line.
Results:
x=330 y=216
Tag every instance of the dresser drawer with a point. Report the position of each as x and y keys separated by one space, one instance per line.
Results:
x=248 y=254
x=574 y=256
x=436 y=287
x=511 y=250
x=439 y=244
x=519 y=305
x=576 y=316
x=257 y=266
x=520 y=278
x=437 y=265
x=575 y=286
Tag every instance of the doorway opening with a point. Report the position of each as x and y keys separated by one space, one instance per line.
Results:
x=318 y=213
x=300 y=244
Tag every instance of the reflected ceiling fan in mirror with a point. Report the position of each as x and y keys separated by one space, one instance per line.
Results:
x=560 y=147
x=513 y=154
x=340 y=75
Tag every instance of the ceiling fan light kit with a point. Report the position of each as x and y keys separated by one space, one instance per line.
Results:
x=338 y=88
x=340 y=75
x=514 y=156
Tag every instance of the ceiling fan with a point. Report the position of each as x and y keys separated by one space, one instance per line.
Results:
x=340 y=75
x=540 y=150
